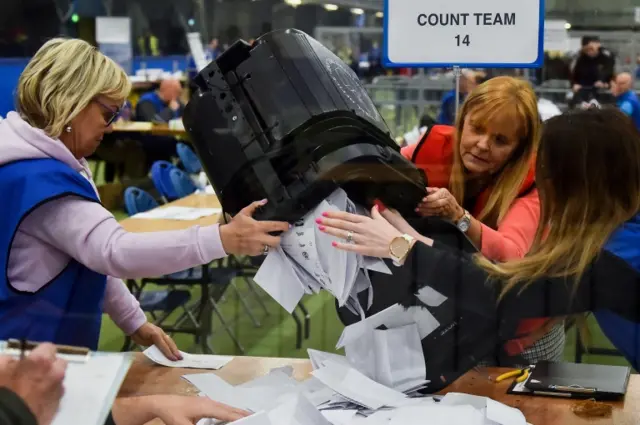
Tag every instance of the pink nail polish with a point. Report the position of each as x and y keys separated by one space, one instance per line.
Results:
x=322 y=228
x=318 y=221
x=334 y=244
x=324 y=214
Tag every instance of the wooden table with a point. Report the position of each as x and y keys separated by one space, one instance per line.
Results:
x=150 y=129
x=194 y=201
x=145 y=378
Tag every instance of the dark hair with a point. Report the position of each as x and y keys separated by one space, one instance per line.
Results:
x=589 y=39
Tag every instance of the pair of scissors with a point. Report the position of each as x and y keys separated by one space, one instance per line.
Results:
x=521 y=375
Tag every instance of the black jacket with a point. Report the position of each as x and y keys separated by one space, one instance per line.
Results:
x=587 y=70
x=13 y=410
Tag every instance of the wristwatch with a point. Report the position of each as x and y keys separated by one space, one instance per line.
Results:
x=464 y=222
x=399 y=249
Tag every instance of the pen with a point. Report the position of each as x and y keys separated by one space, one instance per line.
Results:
x=23 y=345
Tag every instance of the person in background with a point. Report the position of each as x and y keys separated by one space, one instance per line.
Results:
x=586 y=254
x=482 y=178
x=162 y=105
x=31 y=390
x=447 y=115
x=148 y=44
x=63 y=253
x=626 y=99
x=594 y=67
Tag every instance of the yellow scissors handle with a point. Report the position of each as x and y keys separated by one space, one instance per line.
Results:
x=523 y=377
x=508 y=375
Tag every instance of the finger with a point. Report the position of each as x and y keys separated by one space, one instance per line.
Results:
x=173 y=347
x=58 y=371
x=431 y=190
x=44 y=351
x=342 y=234
x=345 y=216
x=273 y=226
x=160 y=341
x=266 y=239
x=336 y=223
x=375 y=213
x=360 y=249
x=251 y=208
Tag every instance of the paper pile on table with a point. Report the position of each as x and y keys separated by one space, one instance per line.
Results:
x=338 y=394
x=306 y=262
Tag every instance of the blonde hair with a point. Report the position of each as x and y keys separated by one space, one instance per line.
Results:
x=62 y=78
x=496 y=97
x=589 y=181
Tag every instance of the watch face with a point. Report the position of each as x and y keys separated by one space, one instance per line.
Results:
x=399 y=247
x=464 y=225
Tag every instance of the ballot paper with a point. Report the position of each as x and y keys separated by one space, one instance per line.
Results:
x=194 y=361
x=392 y=317
x=177 y=213
x=306 y=262
x=91 y=388
x=355 y=386
x=278 y=399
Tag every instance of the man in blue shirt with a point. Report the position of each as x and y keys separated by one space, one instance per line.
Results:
x=161 y=105
x=447 y=115
x=626 y=98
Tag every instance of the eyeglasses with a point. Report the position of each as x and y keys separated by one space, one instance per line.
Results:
x=113 y=114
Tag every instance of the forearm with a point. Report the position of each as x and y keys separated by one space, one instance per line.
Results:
x=13 y=410
x=133 y=411
x=94 y=238
x=123 y=308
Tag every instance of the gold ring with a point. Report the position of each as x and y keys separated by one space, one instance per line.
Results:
x=349 y=236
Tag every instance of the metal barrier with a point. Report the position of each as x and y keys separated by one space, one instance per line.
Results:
x=402 y=100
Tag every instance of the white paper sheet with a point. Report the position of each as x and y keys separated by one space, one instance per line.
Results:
x=437 y=415
x=318 y=358
x=354 y=385
x=177 y=213
x=315 y=263
x=277 y=278
x=339 y=416
x=193 y=361
x=500 y=414
x=402 y=369
x=91 y=388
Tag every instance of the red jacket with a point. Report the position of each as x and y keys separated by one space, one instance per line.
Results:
x=514 y=235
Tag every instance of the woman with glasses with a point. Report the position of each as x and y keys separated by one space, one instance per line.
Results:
x=63 y=254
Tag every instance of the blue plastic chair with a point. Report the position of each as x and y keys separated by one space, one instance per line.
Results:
x=161 y=180
x=181 y=183
x=189 y=159
x=137 y=201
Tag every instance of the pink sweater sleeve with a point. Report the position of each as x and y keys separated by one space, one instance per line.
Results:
x=90 y=234
x=516 y=232
x=122 y=306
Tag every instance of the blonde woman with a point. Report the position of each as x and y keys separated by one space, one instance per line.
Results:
x=63 y=254
x=481 y=177
x=585 y=256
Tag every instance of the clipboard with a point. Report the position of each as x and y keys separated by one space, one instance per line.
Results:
x=574 y=381
x=91 y=382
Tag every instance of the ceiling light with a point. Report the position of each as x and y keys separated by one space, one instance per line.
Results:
x=357 y=11
x=293 y=3
x=331 y=7
x=567 y=26
x=379 y=15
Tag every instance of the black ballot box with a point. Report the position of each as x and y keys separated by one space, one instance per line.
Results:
x=286 y=120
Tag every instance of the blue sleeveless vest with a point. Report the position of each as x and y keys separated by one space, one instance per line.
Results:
x=68 y=309
x=623 y=333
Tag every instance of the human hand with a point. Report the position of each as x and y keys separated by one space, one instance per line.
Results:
x=576 y=87
x=397 y=220
x=599 y=84
x=245 y=236
x=174 y=105
x=177 y=410
x=150 y=334
x=440 y=203
x=370 y=236
x=37 y=380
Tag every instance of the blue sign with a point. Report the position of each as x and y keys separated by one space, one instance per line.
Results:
x=464 y=33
